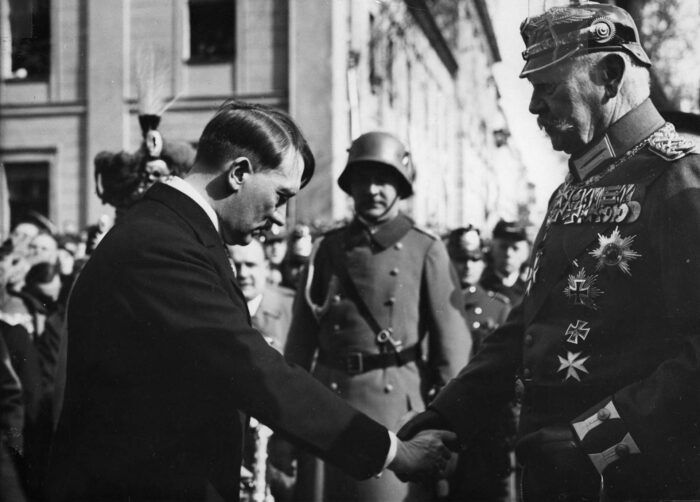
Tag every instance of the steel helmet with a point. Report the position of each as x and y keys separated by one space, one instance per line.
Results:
x=383 y=149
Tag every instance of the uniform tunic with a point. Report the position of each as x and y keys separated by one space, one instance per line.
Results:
x=608 y=338
x=403 y=275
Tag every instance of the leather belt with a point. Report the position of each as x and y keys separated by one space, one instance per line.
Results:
x=355 y=363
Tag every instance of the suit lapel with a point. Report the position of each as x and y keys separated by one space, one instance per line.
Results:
x=200 y=224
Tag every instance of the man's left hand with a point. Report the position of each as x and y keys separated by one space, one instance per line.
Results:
x=555 y=466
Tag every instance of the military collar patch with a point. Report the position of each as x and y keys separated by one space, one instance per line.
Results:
x=669 y=145
x=593 y=158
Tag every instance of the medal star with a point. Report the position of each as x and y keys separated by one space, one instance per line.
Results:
x=576 y=331
x=572 y=364
x=581 y=289
x=615 y=251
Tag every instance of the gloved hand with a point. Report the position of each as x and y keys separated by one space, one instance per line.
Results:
x=555 y=467
x=429 y=419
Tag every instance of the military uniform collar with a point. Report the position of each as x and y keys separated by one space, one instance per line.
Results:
x=384 y=235
x=631 y=129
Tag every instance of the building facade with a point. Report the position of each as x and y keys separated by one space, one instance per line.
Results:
x=420 y=69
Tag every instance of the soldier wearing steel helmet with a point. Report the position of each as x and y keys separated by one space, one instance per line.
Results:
x=381 y=308
x=607 y=338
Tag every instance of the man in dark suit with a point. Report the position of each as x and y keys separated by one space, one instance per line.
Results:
x=162 y=360
x=607 y=339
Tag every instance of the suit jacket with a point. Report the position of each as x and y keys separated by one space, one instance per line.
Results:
x=608 y=338
x=163 y=362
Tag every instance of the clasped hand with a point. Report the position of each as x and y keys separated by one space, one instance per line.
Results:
x=425 y=455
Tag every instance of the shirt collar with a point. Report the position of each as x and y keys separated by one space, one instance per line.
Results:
x=183 y=186
x=628 y=131
x=254 y=305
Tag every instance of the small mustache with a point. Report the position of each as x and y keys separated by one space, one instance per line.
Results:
x=558 y=125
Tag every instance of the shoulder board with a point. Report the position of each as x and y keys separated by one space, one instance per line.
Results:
x=669 y=145
x=425 y=231
x=500 y=297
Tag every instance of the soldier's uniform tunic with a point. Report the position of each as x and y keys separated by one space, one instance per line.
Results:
x=608 y=338
x=482 y=472
x=404 y=277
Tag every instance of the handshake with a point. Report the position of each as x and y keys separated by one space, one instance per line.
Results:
x=424 y=449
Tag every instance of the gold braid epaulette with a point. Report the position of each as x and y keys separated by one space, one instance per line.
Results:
x=669 y=145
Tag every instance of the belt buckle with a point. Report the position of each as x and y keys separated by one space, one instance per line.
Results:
x=353 y=363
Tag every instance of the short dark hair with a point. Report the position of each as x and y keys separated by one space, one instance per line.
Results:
x=256 y=131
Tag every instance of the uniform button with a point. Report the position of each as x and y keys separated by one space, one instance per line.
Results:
x=336 y=298
x=603 y=414
x=478 y=310
x=472 y=289
x=336 y=327
x=398 y=245
x=394 y=271
x=527 y=373
x=622 y=450
x=476 y=325
x=334 y=386
x=388 y=388
x=529 y=341
x=390 y=301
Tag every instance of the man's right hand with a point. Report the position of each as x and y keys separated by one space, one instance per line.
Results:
x=429 y=419
x=425 y=455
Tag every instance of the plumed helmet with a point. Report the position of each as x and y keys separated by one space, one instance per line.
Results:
x=381 y=149
x=578 y=27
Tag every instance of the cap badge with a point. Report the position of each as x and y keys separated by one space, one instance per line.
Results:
x=603 y=30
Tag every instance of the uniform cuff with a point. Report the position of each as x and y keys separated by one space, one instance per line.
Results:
x=603 y=435
x=393 y=447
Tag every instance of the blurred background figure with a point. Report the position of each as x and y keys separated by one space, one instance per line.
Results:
x=509 y=250
x=483 y=471
x=43 y=249
x=299 y=247
x=22 y=235
x=275 y=243
x=270 y=308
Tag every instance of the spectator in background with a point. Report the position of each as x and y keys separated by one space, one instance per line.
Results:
x=484 y=469
x=270 y=310
x=22 y=235
x=509 y=250
x=11 y=425
x=298 y=251
x=43 y=249
x=275 y=244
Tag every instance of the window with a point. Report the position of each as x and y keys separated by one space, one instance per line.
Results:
x=28 y=184
x=29 y=23
x=212 y=31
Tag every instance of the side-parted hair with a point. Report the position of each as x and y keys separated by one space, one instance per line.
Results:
x=256 y=131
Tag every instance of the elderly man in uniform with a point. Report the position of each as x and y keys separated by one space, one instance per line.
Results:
x=372 y=292
x=607 y=339
x=508 y=252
